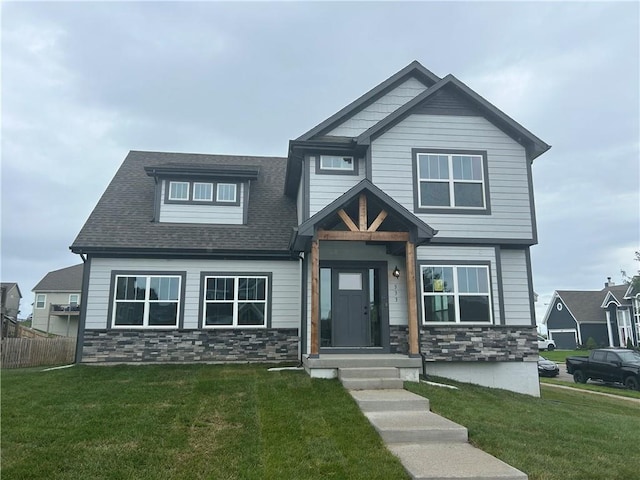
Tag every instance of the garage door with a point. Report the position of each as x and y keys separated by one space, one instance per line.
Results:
x=566 y=340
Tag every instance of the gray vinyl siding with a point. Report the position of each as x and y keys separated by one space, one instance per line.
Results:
x=515 y=288
x=460 y=255
x=285 y=299
x=380 y=109
x=190 y=213
x=508 y=183
x=325 y=188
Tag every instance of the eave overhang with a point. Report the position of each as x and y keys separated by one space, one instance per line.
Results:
x=241 y=172
x=534 y=145
x=183 y=253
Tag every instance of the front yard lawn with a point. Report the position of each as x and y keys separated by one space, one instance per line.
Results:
x=559 y=356
x=185 y=422
x=565 y=435
x=609 y=388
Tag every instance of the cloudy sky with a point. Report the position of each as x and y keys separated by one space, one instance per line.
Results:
x=85 y=82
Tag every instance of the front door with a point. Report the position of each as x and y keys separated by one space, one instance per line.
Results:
x=351 y=326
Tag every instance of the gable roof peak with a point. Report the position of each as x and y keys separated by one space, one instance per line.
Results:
x=415 y=69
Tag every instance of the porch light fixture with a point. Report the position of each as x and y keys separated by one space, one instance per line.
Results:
x=396 y=272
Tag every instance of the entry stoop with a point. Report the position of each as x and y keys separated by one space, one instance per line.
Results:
x=329 y=365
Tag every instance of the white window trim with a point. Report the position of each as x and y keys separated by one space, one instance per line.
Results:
x=451 y=181
x=210 y=199
x=456 y=294
x=235 y=301
x=235 y=192
x=180 y=199
x=337 y=169
x=145 y=316
x=44 y=301
x=74 y=295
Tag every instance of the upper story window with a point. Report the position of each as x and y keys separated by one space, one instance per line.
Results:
x=337 y=164
x=179 y=191
x=146 y=301
x=74 y=299
x=41 y=300
x=216 y=193
x=202 y=192
x=450 y=181
x=455 y=294
x=226 y=192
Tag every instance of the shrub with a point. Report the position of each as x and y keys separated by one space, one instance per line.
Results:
x=591 y=343
x=629 y=344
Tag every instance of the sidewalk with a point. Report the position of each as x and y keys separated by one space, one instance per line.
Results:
x=429 y=446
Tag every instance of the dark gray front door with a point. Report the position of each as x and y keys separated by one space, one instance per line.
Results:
x=351 y=308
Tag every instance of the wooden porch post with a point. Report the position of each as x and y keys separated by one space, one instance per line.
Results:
x=315 y=296
x=411 y=298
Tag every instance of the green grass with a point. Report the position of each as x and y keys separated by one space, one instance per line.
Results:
x=185 y=422
x=565 y=435
x=559 y=356
x=595 y=387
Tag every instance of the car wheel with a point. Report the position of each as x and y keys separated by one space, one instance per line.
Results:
x=550 y=347
x=632 y=383
x=579 y=377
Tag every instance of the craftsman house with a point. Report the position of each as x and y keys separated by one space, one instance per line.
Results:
x=397 y=230
x=610 y=316
x=57 y=301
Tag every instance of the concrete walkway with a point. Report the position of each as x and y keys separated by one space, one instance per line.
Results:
x=429 y=446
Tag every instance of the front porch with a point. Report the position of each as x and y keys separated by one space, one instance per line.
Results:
x=359 y=287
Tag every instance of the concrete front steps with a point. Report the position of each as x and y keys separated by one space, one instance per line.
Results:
x=429 y=446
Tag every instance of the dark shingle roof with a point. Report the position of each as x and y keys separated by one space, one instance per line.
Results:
x=122 y=219
x=67 y=279
x=585 y=305
x=9 y=285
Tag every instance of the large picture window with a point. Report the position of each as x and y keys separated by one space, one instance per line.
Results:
x=235 y=301
x=146 y=301
x=455 y=294
x=450 y=180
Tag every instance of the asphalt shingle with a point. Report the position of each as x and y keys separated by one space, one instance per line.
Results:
x=123 y=217
x=67 y=279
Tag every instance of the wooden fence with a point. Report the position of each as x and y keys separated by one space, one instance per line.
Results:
x=35 y=352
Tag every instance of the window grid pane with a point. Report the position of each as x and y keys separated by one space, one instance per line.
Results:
x=450 y=181
x=226 y=192
x=203 y=192
x=456 y=294
x=178 y=190
x=235 y=301
x=155 y=306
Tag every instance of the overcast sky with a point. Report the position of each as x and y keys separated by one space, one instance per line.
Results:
x=85 y=82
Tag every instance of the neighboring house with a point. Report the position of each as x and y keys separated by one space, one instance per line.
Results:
x=400 y=225
x=10 y=297
x=56 y=308
x=610 y=316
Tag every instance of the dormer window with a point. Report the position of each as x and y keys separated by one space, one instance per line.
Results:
x=202 y=192
x=226 y=192
x=179 y=191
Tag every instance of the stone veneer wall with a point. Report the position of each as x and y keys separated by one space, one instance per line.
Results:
x=399 y=341
x=220 y=345
x=464 y=343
